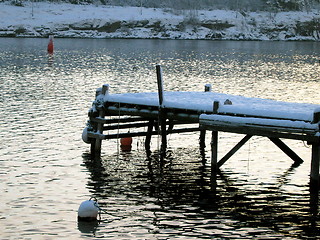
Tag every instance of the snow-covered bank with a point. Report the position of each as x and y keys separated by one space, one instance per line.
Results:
x=90 y=21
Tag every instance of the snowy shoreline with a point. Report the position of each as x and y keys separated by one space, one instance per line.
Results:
x=41 y=19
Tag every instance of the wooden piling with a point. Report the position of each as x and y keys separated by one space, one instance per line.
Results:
x=97 y=142
x=214 y=159
x=214 y=151
x=315 y=158
x=202 y=137
x=316 y=116
x=160 y=85
x=162 y=111
x=215 y=107
x=149 y=135
x=207 y=88
x=315 y=161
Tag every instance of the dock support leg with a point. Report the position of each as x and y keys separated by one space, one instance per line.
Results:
x=214 y=159
x=315 y=161
x=163 y=132
x=162 y=113
x=98 y=142
x=202 y=139
x=92 y=147
x=149 y=135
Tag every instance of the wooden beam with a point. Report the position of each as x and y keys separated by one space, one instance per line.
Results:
x=192 y=117
x=118 y=120
x=286 y=150
x=209 y=125
x=137 y=134
x=270 y=125
x=123 y=126
x=234 y=150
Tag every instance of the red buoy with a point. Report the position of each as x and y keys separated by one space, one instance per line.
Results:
x=50 y=45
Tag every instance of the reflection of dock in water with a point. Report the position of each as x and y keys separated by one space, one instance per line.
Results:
x=179 y=179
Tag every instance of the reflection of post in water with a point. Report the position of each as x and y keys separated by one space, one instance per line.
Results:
x=156 y=164
x=98 y=174
x=177 y=182
x=314 y=208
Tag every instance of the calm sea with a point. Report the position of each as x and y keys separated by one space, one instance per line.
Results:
x=46 y=170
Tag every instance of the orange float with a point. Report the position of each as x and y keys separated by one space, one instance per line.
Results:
x=125 y=143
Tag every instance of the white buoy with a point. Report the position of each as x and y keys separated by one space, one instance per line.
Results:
x=88 y=210
x=85 y=135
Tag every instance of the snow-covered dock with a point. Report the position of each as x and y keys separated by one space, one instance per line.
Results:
x=161 y=113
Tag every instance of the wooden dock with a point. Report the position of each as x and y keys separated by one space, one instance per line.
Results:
x=162 y=113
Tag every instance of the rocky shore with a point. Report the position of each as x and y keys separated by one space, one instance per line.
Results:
x=89 y=21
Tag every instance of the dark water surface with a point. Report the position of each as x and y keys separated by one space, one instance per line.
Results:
x=46 y=171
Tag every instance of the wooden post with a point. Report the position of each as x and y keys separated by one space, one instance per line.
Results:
x=316 y=116
x=96 y=143
x=315 y=158
x=207 y=88
x=149 y=135
x=315 y=161
x=105 y=89
x=98 y=91
x=160 y=85
x=214 y=159
x=162 y=112
x=214 y=151
x=215 y=107
x=202 y=137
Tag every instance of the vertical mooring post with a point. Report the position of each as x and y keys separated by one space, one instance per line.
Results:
x=207 y=87
x=202 y=137
x=215 y=107
x=315 y=161
x=162 y=112
x=96 y=145
x=149 y=135
x=214 y=159
x=214 y=151
x=315 y=158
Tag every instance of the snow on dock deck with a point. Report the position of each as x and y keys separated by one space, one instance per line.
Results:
x=203 y=103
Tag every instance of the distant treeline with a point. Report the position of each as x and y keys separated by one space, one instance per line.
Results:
x=240 y=5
